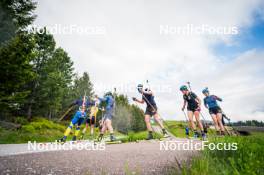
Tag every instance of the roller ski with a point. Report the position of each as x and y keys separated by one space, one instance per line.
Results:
x=61 y=141
x=112 y=140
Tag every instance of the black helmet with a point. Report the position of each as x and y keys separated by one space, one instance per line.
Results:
x=205 y=90
x=109 y=94
x=140 y=87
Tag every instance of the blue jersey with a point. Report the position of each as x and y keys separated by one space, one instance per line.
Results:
x=110 y=102
x=211 y=101
x=80 y=114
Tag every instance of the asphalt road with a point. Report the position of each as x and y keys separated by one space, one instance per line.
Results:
x=144 y=157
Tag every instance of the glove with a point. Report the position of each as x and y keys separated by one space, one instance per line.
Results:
x=134 y=99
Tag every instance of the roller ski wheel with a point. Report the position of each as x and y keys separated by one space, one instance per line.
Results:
x=113 y=142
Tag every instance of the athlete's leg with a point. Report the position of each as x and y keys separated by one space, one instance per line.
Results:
x=86 y=127
x=215 y=122
x=197 y=117
x=109 y=125
x=69 y=128
x=92 y=129
x=158 y=120
x=147 y=121
x=219 y=120
x=103 y=127
x=92 y=123
x=149 y=128
x=78 y=128
x=191 y=122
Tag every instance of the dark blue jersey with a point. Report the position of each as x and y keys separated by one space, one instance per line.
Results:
x=149 y=99
x=191 y=99
x=110 y=102
x=211 y=101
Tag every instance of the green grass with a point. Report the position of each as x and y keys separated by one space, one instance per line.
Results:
x=43 y=130
x=177 y=128
x=40 y=130
x=247 y=159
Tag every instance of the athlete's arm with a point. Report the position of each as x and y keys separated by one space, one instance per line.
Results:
x=139 y=101
x=102 y=99
x=184 y=104
x=198 y=100
x=217 y=98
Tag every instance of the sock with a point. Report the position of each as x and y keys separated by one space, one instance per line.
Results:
x=68 y=130
x=77 y=131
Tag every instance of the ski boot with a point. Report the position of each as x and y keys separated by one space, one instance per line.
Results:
x=150 y=136
x=100 y=137
x=74 y=138
x=112 y=138
x=196 y=135
x=187 y=132
x=223 y=133
x=165 y=134
x=62 y=140
x=218 y=133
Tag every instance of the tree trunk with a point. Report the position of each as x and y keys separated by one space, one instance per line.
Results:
x=50 y=114
x=29 y=112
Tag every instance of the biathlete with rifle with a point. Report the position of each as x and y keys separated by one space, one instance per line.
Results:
x=151 y=110
x=210 y=102
x=193 y=109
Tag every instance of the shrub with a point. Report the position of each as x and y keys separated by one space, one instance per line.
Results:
x=20 y=120
x=28 y=128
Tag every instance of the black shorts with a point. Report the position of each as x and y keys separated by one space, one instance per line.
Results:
x=215 y=110
x=91 y=121
x=192 y=108
x=150 y=111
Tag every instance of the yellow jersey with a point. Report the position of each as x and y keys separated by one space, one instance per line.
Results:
x=94 y=111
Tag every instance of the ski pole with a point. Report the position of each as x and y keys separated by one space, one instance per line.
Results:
x=62 y=117
x=153 y=106
x=186 y=128
x=202 y=115
x=189 y=85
